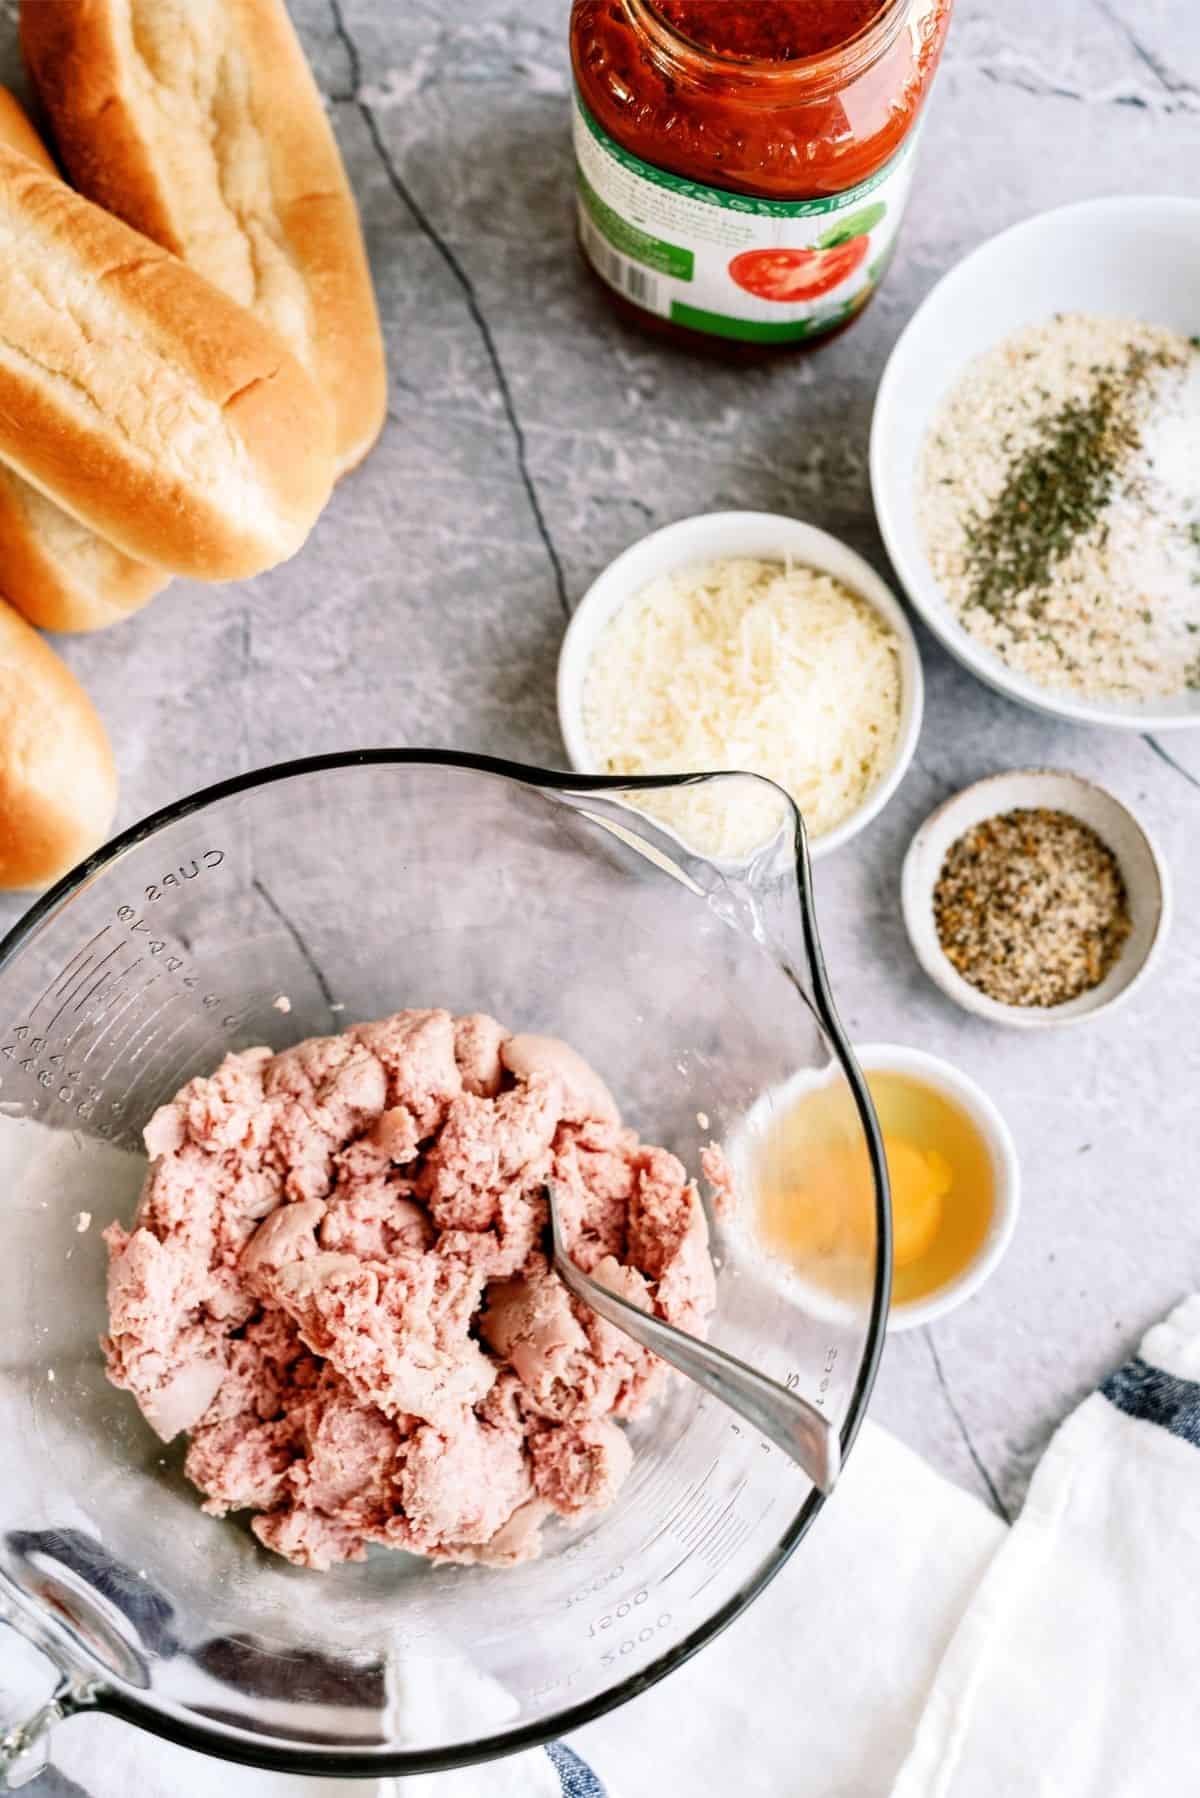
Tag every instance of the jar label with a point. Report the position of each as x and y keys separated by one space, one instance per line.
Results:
x=764 y=271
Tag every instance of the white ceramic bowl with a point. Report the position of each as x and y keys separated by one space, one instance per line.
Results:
x=710 y=537
x=894 y=1058
x=1135 y=257
x=1144 y=872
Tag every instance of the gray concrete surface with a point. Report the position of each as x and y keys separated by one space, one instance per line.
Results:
x=530 y=438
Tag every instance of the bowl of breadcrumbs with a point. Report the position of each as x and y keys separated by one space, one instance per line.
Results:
x=1035 y=898
x=1035 y=462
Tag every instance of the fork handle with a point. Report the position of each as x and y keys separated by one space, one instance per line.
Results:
x=784 y=1418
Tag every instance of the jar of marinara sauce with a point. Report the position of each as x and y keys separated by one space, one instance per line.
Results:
x=743 y=165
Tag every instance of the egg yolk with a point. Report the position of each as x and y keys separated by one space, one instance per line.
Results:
x=920 y=1180
x=816 y=1201
x=833 y=1213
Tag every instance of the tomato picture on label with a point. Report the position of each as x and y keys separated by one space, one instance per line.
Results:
x=789 y=275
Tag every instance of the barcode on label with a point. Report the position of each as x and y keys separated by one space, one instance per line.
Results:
x=618 y=270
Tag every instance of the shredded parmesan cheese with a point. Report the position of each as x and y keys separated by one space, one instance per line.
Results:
x=756 y=666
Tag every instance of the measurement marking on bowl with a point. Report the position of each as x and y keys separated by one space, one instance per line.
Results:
x=104 y=960
x=68 y=990
x=114 y=992
x=93 y=989
x=160 y=947
x=681 y=1562
x=690 y=1497
x=699 y=1530
x=740 y=1533
x=595 y=1585
x=66 y=970
x=748 y=1530
x=713 y=1525
x=67 y=1000
x=120 y=976
x=644 y=1636
x=72 y=982
x=71 y=987
x=696 y=1515
x=151 y=1023
x=145 y=1028
x=622 y=1609
x=698 y=1523
x=714 y=1547
x=46 y=1057
x=111 y=1020
x=693 y=1556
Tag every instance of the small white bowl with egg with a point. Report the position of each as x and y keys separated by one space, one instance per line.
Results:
x=804 y=1215
x=1128 y=257
x=989 y=1218
x=718 y=537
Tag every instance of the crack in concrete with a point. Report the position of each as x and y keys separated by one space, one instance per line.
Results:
x=1028 y=83
x=1167 y=95
x=293 y=930
x=931 y=774
x=976 y=1459
x=1170 y=83
x=428 y=230
x=1164 y=756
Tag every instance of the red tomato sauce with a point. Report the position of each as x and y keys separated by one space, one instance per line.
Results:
x=800 y=133
x=770 y=30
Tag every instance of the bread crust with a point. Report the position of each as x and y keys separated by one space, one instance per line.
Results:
x=58 y=781
x=144 y=401
x=56 y=572
x=201 y=126
x=18 y=133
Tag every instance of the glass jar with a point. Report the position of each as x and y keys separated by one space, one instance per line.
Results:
x=745 y=181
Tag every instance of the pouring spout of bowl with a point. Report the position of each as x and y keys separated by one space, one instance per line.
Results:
x=757 y=909
x=763 y=891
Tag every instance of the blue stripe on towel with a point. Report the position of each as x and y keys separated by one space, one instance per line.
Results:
x=1147 y=1392
x=576 y=1777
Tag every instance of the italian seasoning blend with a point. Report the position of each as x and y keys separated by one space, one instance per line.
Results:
x=1059 y=501
x=1030 y=907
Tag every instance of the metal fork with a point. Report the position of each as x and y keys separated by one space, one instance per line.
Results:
x=784 y=1418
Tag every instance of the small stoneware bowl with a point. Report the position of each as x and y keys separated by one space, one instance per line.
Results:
x=943 y=1077
x=712 y=537
x=1143 y=870
x=1132 y=256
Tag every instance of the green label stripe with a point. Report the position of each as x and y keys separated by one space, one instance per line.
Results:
x=731 y=202
x=749 y=330
x=666 y=258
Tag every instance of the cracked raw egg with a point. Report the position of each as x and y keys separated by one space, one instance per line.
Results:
x=816 y=1193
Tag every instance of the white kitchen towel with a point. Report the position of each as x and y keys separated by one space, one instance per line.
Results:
x=1075 y=1672
x=1074 y=1669
x=816 y=1690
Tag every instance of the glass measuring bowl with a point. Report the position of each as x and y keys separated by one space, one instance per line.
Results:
x=291 y=903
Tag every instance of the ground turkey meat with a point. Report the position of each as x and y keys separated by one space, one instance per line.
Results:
x=336 y=1285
